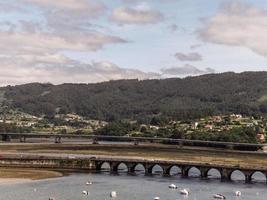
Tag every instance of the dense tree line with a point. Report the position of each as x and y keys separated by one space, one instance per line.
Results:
x=13 y=128
x=238 y=134
x=174 y=98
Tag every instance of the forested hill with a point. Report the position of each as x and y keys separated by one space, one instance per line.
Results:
x=191 y=97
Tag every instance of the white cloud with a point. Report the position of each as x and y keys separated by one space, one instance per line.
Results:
x=193 y=56
x=41 y=43
x=91 y=6
x=68 y=16
x=238 y=24
x=186 y=70
x=123 y=15
x=59 y=69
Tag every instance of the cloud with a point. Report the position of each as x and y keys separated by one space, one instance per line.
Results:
x=68 y=16
x=142 y=1
x=123 y=15
x=188 y=57
x=59 y=69
x=32 y=50
x=186 y=70
x=238 y=24
x=61 y=25
x=43 y=43
x=91 y=6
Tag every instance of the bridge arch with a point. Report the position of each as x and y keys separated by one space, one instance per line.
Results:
x=138 y=167
x=174 y=170
x=258 y=176
x=122 y=167
x=237 y=175
x=214 y=173
x=104 y=166
x=194 y=171
x=155 y=169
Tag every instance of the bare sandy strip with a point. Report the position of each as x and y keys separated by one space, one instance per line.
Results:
x=11 y=181
x=16 y=175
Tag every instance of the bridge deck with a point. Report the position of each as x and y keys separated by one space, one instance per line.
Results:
x=95 y=163
x=181 y=142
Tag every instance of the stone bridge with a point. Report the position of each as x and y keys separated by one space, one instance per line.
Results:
x=93 y=163
x=166 y=166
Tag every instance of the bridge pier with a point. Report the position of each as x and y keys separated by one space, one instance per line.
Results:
x=114 y=167
x=95 y=141
x=148 y=168
x=22 y=138
x=58 y=139
x=131 y=167
x=204 y=172
x=181 y=144
x=98 y=165
x=166 y=170
x=184 y=171
x=6 y=138
x=225 y=174
x=248 y=176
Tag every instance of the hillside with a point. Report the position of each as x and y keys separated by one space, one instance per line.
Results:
x=191 y=97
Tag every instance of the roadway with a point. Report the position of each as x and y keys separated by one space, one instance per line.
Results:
x=59 y=138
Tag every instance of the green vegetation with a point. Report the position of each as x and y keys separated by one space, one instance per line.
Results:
x=176 y=99
x=13 y=128
x=192 y=108
x=237 y=134
x=243 y=135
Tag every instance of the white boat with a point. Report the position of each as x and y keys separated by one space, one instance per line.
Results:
x=88 y=183
x=238 y=193
x=219 y=196
x=184 y=192
x=113 y=194
x=172 y=186
x=156 y=198
x=85 y=192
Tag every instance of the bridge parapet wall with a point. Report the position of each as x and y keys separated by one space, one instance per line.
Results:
x=51 y=163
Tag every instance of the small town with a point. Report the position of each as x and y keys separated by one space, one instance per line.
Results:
x=201 y=129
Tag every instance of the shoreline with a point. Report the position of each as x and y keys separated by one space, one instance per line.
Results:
x=12 y=181
x=10 y=176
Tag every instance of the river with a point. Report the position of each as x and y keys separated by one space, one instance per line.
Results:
x=133 y=187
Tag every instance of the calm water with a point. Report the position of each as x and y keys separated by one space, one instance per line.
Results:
x=134 y=187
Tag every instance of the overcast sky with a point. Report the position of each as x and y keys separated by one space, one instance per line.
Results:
x=87 y=41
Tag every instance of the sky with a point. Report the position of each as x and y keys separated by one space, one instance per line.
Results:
x=89 y=41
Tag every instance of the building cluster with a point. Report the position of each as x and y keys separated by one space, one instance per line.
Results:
x=65 y=123
x=73 y=123
x=221 y=123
